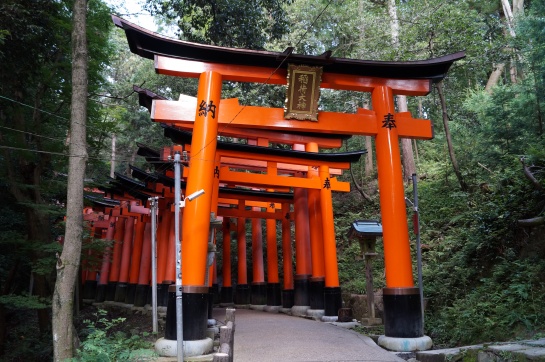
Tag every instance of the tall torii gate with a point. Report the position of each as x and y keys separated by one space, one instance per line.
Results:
x=210 y=115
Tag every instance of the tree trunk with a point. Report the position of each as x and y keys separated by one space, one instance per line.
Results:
x=68 y=262
x=511 y=15
x=461 y=181
x=112 y=164
x=6 y=287
x=406 y=145
x=394 y=22
x=409 y=167
x=369 y=167
x=518 y=7
x=494 y=78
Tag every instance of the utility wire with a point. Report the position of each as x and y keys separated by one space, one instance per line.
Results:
x=34 y=134
x=34 y=108
x=67 y=155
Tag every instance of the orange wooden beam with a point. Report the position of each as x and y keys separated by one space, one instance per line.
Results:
x=250 y=214
x=243 y=73
x=232 y=113
x=261 y=204
x=272 y=136
x=271 y=181
x=256 y=165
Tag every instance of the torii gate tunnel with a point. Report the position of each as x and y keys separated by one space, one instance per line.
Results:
x=208 y=116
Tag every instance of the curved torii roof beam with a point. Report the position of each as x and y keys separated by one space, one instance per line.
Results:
x=148 y=44
x=183 y=137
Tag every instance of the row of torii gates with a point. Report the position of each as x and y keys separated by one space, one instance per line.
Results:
x=255 y=181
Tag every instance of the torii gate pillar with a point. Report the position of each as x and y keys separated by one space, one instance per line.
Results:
x=402 y=313
x=196 y=215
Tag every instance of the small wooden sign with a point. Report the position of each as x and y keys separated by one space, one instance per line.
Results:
x=303 y=92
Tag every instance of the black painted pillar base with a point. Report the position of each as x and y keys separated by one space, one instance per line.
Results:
x=141 y=295
x=121 y=292
x=89 y=289
x=100 y=295
x=216 y=290
x=332 y=301
x=110 y=291
x=131 y=292
x=316 y=290
x=149 y=296
x=210 y=303
x=288 y=298
x=242 y=294
x=402 y=313
x=259 y=293
x=226 y=295
x=274 y=296
x=195 y=313
x=302 y=296
x=162 y=294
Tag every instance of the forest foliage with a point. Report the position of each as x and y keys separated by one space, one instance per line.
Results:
x=484 y=261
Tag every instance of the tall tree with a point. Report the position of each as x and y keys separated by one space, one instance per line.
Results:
x=245 y=24
x=409 y=166
x=68 y=262
x=452 y=155
x=31 y=116
x=35 y=90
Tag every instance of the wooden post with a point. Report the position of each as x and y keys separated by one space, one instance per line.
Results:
x=137 y=250
x=196 y=215
x=397 y=253
x=106 y=263
x=369 y=285
x=226 y=266
x=230 y=321
x=332 y=290
x=241 y=248
x=272 y=251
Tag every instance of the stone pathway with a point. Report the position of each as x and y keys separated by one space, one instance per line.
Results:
x=269 y=337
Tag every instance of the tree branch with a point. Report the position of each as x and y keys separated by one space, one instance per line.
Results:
x=535 y=221
x=530 y=176
x=359 y=188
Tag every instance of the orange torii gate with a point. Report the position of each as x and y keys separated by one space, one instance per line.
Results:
x=308 y=290
x=271 y=178
x=213 y=65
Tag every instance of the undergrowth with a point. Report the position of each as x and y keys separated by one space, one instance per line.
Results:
x=103 y=343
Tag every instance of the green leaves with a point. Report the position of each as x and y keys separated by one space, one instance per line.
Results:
x=104 y=342
x=232 y=23
x=24 y=301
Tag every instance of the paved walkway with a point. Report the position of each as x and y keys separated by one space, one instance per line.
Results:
x=270 y=337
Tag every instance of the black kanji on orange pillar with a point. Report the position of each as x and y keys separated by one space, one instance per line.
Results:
x=205 y=108
x=389 y=121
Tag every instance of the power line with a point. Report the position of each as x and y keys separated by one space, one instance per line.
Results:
x=34 y=134
x=68 y=155
x=35 y=108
